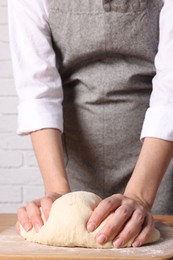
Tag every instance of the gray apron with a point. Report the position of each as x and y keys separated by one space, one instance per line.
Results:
x=105 y=54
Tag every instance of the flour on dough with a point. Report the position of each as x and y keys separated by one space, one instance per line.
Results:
x=67 y=222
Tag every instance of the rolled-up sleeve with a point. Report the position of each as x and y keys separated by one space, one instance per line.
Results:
x=159 y=116
x=38 y=82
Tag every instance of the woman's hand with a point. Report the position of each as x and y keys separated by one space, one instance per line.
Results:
x=29 y=216
x=129 y=217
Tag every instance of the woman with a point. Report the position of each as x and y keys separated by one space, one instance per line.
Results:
x=101 y=53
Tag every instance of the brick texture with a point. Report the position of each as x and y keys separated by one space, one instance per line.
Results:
x=20 y=179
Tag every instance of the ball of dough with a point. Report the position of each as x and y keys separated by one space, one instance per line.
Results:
x=67 y=222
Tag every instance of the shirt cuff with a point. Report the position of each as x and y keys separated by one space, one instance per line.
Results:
x=38 y=114
x=158 y=123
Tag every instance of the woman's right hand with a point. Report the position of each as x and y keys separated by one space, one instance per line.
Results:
x=29 y=216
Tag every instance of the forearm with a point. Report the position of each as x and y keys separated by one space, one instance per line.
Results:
x=152 y=163
x=48 y=149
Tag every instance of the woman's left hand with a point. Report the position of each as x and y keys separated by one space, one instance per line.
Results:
x=129 y=216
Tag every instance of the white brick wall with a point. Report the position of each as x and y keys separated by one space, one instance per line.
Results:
x=20 y=179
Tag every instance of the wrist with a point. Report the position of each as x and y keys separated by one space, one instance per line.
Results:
x=151 y=166
x=57 y=186
x=55 y=193
x=141 y=188
x=138 y=197
x=48 y=149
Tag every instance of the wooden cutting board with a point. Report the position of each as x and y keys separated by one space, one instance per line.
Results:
x=14 y=247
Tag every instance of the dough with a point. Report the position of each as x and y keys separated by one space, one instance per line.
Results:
x=66 y=225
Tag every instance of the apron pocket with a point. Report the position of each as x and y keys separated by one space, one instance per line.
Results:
x=128 y=6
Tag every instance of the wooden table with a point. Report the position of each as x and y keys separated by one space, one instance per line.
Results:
x=13 y=247
x=167 y=219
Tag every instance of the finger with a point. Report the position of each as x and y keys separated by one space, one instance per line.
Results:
x=104 y=208
x=114 y=224
x=18 y=227
x=23 y=219
x=146 y=231
x=46 y=203
x=131 y=229
x=34 y=214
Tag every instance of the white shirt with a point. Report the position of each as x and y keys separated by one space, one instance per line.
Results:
x=38 y=81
